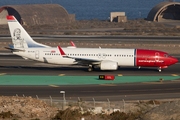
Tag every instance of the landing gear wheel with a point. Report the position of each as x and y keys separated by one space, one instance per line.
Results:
x=159 y=69
x=91 y=68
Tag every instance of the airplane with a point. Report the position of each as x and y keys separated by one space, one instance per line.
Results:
x=104 y=58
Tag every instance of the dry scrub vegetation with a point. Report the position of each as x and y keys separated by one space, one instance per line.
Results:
x=81 y=27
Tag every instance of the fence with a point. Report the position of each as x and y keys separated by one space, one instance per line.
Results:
x=105 y=107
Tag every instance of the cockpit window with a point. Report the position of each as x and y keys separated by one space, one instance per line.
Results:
x=167 y=55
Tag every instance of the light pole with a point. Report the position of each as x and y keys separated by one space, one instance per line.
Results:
x=64 y=99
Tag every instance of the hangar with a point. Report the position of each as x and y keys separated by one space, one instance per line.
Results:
x=164 y=12
x=36 y=14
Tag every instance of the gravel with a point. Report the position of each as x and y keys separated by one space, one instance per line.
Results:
x=26 y=108
x=167 y=111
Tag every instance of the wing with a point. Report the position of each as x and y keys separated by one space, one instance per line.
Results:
x=80 y=60
x=86 y=61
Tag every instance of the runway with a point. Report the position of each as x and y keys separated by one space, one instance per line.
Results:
x=14 y=65
x=100 y=39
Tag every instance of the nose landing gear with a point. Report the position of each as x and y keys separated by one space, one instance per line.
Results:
x=159 y=69
x=162 y=67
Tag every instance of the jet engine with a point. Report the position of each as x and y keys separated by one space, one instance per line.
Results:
x=108 y=65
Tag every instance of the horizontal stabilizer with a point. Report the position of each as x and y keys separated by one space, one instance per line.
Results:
x=11 y=46
x=14 y=50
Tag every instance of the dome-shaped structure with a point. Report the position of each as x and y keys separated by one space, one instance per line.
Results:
x=165 y=11
x=37 y=14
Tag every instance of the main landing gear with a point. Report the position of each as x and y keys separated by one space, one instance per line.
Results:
x=91 y=68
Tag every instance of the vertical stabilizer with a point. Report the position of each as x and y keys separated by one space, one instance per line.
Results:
x=20 y=37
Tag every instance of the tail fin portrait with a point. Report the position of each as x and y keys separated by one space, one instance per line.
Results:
x=20 y=38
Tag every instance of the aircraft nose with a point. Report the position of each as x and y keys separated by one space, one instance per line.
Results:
x=174 y=60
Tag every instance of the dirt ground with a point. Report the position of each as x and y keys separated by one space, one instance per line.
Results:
x=100 y=27
x=27 y=108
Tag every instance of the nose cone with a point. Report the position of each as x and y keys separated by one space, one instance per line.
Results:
x=174 y=60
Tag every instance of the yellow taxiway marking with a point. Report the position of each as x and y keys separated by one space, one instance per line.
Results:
x=108 y=84
x=120 y=75
x=61 y=74
x=174 y=75
x=53 y=85
x=2 y=73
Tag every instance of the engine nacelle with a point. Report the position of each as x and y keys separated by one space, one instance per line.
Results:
x=108 y=65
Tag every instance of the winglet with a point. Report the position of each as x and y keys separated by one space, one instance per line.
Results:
x=61 y=51
x=10 y=17
x=73 y=44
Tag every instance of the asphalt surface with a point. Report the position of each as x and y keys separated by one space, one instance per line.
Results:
x=14 y=65
x=100 y=39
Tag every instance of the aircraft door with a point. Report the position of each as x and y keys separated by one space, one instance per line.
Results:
x=37 y=54
x=156 y=56
x=101 y=55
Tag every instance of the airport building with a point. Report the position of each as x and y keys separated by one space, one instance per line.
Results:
x=36 y=14
x=164 y=12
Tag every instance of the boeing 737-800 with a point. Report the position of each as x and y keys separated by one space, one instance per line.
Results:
x=105 y=58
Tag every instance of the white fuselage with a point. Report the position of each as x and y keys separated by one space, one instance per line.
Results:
x=124 y=57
